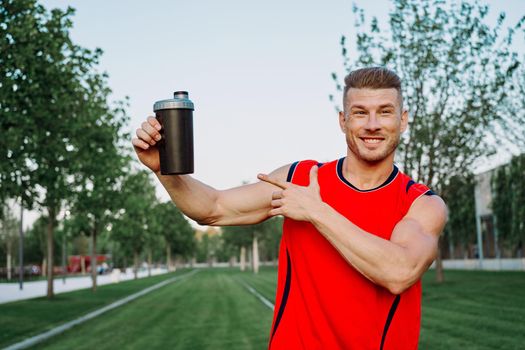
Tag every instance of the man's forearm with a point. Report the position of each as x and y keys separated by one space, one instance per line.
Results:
x=195 y=199
x=381 y=261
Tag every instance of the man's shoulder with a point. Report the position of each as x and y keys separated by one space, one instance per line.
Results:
x=411 y=187
x=301 y=168
x=413 y=191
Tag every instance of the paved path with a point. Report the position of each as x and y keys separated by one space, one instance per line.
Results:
x=11 y=292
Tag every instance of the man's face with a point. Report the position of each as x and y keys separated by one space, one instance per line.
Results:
x=373 y=122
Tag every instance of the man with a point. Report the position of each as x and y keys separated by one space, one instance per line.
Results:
x=358 y=233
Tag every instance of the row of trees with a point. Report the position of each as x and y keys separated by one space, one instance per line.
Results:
x=62 y=152
x=463 y=84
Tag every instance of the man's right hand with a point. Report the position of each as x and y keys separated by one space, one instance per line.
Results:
x=145 y=144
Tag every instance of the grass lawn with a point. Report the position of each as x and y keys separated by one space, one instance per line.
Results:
x=474 y=310
x=211 y=310
x=22 y=319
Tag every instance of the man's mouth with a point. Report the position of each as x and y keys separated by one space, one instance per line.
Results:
x=371 y=140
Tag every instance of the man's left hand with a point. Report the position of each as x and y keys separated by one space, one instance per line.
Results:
x=294 y=201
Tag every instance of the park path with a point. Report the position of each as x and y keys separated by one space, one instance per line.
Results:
x=10 y=291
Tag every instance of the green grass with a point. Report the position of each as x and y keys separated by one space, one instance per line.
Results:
x=22 y=319
x=475 y=310
x=211 y=310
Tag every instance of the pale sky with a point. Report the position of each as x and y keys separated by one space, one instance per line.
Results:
x=258 y=72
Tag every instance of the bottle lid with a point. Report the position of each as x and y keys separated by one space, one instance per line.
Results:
x=180 y=100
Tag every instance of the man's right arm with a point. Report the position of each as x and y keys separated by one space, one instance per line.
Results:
x=243 y=205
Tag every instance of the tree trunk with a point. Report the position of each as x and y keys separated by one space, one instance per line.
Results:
x=440 y=276
x=255 y=254
x=44 y=267
x=83 y=264
x=243 y=258
x=8 y=260
x=149 y=262
x=94 y=259
x=168 y=257
x=50 y=228
x=135 y=264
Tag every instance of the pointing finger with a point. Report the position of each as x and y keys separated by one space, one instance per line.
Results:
x=275 y=182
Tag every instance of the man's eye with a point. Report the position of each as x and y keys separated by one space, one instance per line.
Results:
x=386 y=111
x=359 y=112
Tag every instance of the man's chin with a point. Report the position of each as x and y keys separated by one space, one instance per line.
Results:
x=373 y=157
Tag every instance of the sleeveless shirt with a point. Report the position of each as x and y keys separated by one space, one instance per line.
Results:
x=323 y=302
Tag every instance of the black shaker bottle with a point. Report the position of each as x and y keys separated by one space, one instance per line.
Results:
x=176 y=145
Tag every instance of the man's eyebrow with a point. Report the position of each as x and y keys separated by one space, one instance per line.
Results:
x=387 y=105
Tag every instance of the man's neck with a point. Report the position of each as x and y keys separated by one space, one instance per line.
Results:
x=365 y=175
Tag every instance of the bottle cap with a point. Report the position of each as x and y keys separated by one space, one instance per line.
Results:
x=180 y=100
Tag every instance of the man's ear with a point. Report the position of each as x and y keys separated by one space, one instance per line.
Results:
x=404 y=120
x=342 y=120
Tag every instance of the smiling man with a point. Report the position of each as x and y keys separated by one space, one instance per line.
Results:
x=358 y=233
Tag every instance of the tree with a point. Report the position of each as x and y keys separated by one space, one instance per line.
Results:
x=37 y=236
x=268 y=233
x=461 y=227
x=169 y=223
x=237 y=239
x=99 y=164
x=460 y=76
x=9 y=226
x=133 y=224
x=76 y=226
x=270 y=237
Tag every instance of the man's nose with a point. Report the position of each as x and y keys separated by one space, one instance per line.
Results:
x=372 y=123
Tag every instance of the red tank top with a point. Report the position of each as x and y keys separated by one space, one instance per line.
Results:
x=322 y=302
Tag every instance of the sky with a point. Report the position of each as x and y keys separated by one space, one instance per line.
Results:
x=258 y=72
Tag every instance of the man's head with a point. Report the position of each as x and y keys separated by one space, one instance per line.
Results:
x=373 y=117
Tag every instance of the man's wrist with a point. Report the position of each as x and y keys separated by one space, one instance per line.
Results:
x=320 y=213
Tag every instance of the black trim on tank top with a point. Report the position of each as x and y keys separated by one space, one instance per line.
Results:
x=409 y=184
x=285 y=294
x=391 y=177
x=291 y=171
x=430 y=193
x=391 y=313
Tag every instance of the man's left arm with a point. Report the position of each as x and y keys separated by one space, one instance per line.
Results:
x=395 y=264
